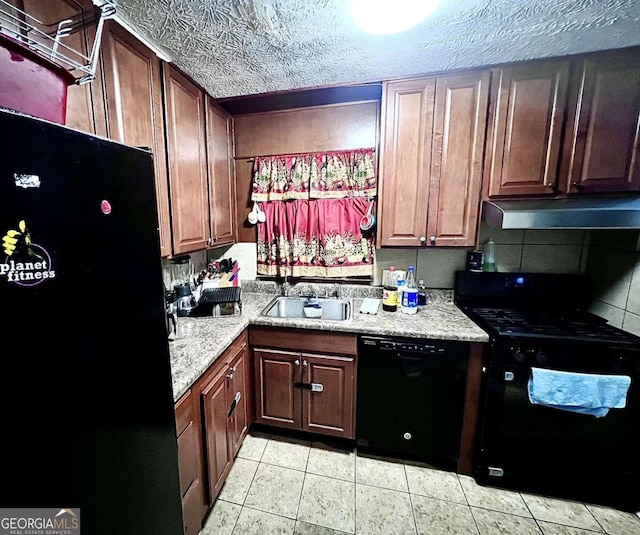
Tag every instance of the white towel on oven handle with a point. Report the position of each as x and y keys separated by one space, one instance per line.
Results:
x=584 y=393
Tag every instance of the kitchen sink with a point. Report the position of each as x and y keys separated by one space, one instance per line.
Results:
x=334 y=309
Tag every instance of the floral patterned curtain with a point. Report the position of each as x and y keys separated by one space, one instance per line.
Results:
x=313 y=205
x=315 y=238
x=327 y=175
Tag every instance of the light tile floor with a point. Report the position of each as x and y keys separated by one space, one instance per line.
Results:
x=282 y=485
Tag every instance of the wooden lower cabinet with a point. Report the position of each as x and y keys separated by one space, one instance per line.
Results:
x=224 y=409
x=212 y=419
x=237 y=392
x=302 y=390
x=214 y=408
x=190 y=463
x=327 y=406
x=278 y=401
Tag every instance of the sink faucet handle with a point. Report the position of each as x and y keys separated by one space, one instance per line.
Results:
x=337 y=290
x=285 y=286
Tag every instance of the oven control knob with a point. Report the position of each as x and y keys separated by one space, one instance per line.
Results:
x=541 y=358
x=519 y=355
x=407 y=436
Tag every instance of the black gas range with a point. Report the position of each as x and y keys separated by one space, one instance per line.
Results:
x=539 y=327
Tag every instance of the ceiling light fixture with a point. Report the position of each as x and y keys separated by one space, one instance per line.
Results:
x=384 y=17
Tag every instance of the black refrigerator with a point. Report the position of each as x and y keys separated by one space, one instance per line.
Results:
x=87 y=411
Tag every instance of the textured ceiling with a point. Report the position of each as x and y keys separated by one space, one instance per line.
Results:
x=246 y=47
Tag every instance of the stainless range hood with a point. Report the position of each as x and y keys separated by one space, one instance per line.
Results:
x=583 y=213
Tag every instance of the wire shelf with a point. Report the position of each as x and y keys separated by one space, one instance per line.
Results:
x=48 y=40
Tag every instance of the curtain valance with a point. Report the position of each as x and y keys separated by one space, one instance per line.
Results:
x=324 y=175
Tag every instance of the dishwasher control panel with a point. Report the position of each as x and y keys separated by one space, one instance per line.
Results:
x=404 y=346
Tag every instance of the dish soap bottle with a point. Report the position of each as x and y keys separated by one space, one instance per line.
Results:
x=389 y=291
x=422 y=293
x=489 y=250
x=410 y=293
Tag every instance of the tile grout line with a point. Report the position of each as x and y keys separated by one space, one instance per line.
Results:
x=413 y=512
x=304 y=479
x=248 y=489
x=270 y=513
x=531 y=513
x=260 y=510
x=473 y=517
x=237 y=518
x=355 y=491
x=586 y=506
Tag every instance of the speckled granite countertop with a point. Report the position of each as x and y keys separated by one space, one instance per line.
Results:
x=200 y=341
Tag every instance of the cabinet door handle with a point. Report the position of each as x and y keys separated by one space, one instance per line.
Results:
x=432 y=239
x=423 y=239
x=314 y=387
x=304 y=363
x=207 y=241
x=234 y=404
x=576 y=184
x=296 y=362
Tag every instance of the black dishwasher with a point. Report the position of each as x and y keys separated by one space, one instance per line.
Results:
x=410 y=397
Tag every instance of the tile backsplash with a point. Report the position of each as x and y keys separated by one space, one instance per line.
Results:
x=551 y=251
x=199 y=260
x=613 y=268
x=245 y=253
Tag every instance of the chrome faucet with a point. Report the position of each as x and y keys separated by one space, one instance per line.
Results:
x=284 y=287
x=310 y=294
x=337 y=290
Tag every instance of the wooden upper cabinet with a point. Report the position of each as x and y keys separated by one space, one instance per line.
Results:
x=526 y=118
x=601 y=142
x=221 y=183
x=84 y=102
x=133 y=100
x=433 y=139
x=457 y=157
x=408 y=108
x=186 y=148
